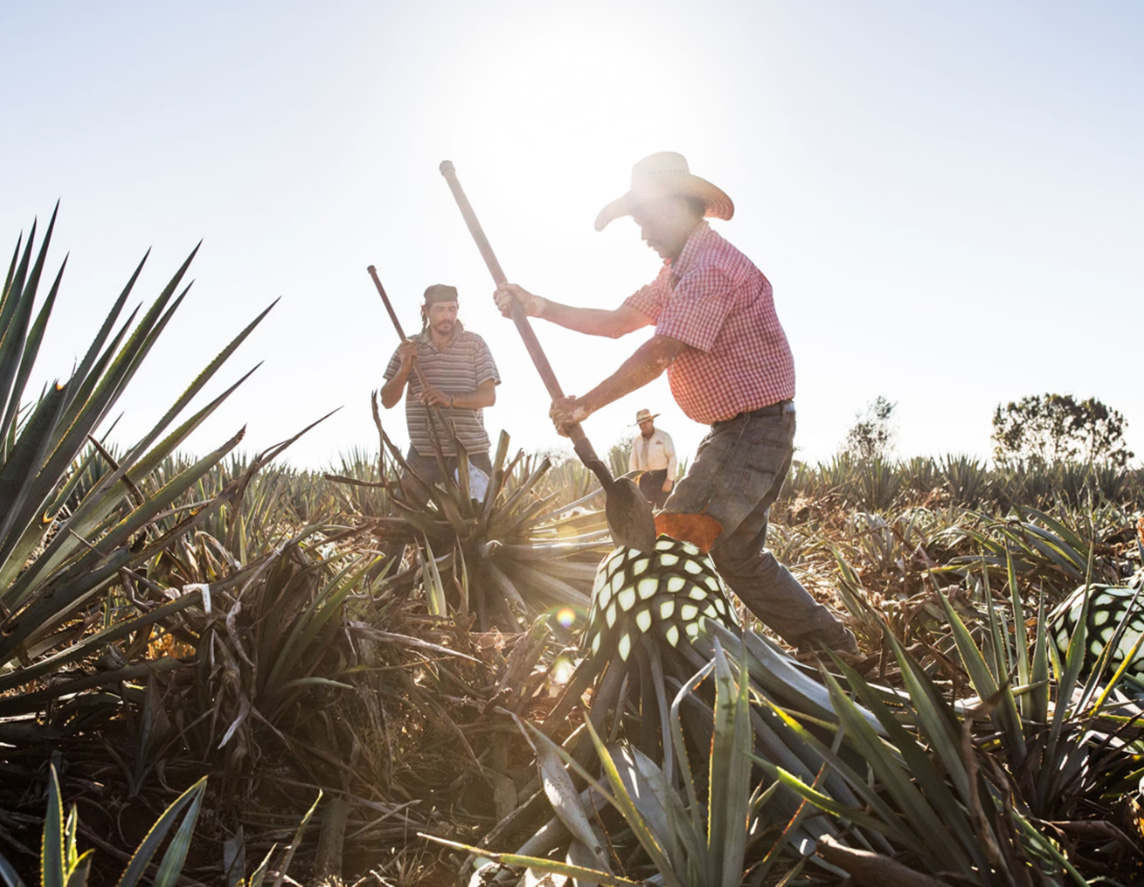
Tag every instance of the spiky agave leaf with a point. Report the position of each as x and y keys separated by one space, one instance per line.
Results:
x=62 y=865
x=910 y=799
x=44 y=447
x=1041 y=547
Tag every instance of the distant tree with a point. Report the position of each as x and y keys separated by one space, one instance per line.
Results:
x=872 y=435
x=619 y=455
x=1049 y=428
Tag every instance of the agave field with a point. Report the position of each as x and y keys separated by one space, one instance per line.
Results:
x=215 y=670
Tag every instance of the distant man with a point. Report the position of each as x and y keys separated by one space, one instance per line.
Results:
x=461 y=379
x=730 y=367
x=653 y=453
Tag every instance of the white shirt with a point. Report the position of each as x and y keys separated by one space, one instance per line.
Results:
x=653 y=453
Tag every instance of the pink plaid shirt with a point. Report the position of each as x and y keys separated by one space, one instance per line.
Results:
x=715 y=300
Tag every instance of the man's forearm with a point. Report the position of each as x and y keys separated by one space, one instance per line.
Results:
x=647 y=363
x=392 y=390
x=593 y=321
x=484 y=396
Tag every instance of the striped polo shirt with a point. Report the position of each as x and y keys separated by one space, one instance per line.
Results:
x=460 y=368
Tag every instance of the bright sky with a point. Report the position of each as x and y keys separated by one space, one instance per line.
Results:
x=946 y=197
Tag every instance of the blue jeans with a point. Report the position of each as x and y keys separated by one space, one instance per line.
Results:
x=735 y=478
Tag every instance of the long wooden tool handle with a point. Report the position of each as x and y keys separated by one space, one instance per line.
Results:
x=518 y=315
x=384 y=298
x=397 y=325
x=575 y=432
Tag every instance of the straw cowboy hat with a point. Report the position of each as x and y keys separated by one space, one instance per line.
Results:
x=666 y=175
x=645 y=416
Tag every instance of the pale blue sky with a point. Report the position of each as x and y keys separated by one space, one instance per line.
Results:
x=946 y=197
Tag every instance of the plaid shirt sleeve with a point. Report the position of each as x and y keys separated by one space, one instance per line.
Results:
x=649 y=300
x=698 y=308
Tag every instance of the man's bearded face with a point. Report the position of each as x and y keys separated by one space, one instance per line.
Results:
x=442 y=317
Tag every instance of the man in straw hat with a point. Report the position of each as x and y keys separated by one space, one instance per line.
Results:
x=653 y=455
x=461 y=379
x=729 y=366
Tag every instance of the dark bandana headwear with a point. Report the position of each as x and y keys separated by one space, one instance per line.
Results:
x=440 y=292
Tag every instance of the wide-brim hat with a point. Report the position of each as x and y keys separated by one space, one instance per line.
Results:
x=645 y=416
x=666 y=174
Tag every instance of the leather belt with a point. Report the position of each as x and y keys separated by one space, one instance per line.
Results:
x=775 y=409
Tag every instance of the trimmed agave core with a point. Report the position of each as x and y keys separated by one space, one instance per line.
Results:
x=672 y=590
x=1108 y=607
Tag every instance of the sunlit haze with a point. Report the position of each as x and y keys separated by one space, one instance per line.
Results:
x=946 y=197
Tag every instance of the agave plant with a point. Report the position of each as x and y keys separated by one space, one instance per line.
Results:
x=1047 y=740
x=52 y=560
x=505 y=557
x=916 y=786
x=88 y=535
x=1043 y=548
x=921 y=475
x=62 y=865
x=360 y=485
x=659 y=627
x=686 y=840
x=966 y=478
x=1011 y=776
